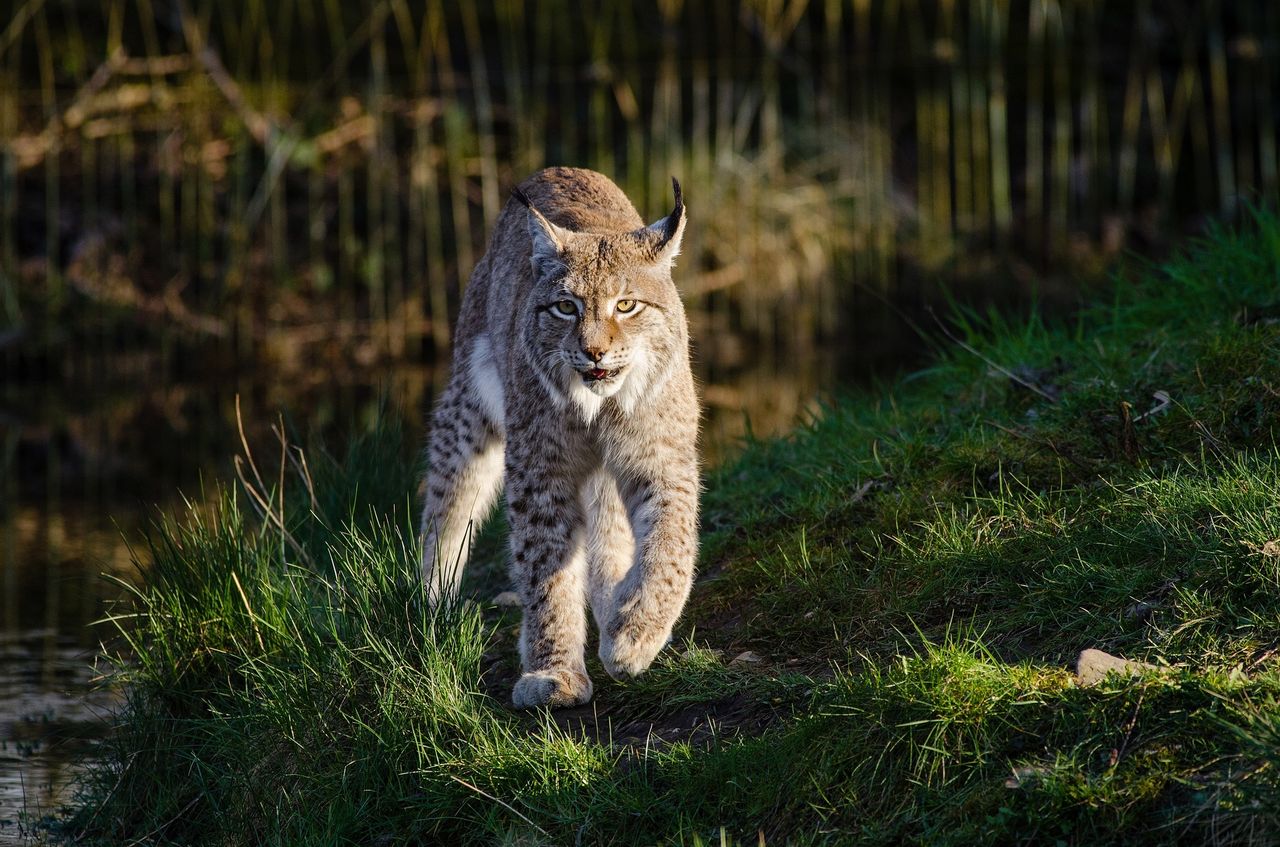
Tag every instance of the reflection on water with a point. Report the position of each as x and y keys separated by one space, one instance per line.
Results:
x=51 y=713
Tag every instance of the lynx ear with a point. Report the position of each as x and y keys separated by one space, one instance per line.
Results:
x=662 y=239
x=548 y=240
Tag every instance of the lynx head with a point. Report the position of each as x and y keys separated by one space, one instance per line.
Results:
x=606 y=318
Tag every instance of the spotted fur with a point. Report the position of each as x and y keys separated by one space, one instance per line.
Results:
x=586 y=408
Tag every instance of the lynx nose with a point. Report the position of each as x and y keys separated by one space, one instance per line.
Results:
x=594 y=353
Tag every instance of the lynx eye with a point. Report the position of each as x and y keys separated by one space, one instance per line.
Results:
x=625 y=306
x=565 y=308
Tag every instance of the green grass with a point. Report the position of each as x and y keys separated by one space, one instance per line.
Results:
x=917 y=569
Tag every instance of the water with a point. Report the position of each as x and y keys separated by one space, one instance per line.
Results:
x=52 y=710
x=54 y=714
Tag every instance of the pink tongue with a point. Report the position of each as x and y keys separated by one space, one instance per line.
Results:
x=599 y=373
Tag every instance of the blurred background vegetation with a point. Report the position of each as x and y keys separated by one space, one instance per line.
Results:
x=305 y=185
x=282 y=200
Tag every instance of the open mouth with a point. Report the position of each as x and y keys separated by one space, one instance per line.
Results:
x=598 y=374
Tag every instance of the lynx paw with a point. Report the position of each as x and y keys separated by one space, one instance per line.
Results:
x=631 y=649
x=556 y=687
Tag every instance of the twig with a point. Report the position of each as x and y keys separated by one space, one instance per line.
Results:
x=1133 y=721
x=244 y=442
x=267 y=513
x=300 y=465
x=257 y=124
x=1163 y=401
x=263 y=129
x=72 y=116
x=156 y=65
x=280 y=153
x=1266 y=654
x=253 y=619
x=165 y=306
x=38 y=148
x=1208 y=437
x=1009 y=430
x=1128 y=435
x=259 y=495
x=284 y=455
x=1013 y=376
x=501 y=803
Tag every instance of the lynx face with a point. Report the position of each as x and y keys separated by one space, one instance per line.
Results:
x=604 y=311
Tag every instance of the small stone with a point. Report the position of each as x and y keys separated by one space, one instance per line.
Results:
x=746 y=658
x=507 y=600
x=1093 y=666
x=1023 y=775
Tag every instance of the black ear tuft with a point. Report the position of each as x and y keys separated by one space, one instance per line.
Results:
x=672 y=223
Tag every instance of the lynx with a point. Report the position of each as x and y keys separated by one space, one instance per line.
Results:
x=571 y=380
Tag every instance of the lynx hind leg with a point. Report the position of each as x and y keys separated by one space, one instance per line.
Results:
x=465 y=453
x=611 y=547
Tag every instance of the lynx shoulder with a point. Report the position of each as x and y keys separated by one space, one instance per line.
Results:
x=571 y=385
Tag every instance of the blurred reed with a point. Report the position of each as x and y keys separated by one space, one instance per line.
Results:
x=270 y=175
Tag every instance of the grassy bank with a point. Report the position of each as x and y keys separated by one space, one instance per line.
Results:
x=910 y=577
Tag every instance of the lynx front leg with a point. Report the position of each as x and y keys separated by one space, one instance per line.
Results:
x=463 y=481
x=548 y=565
x=649 y=599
